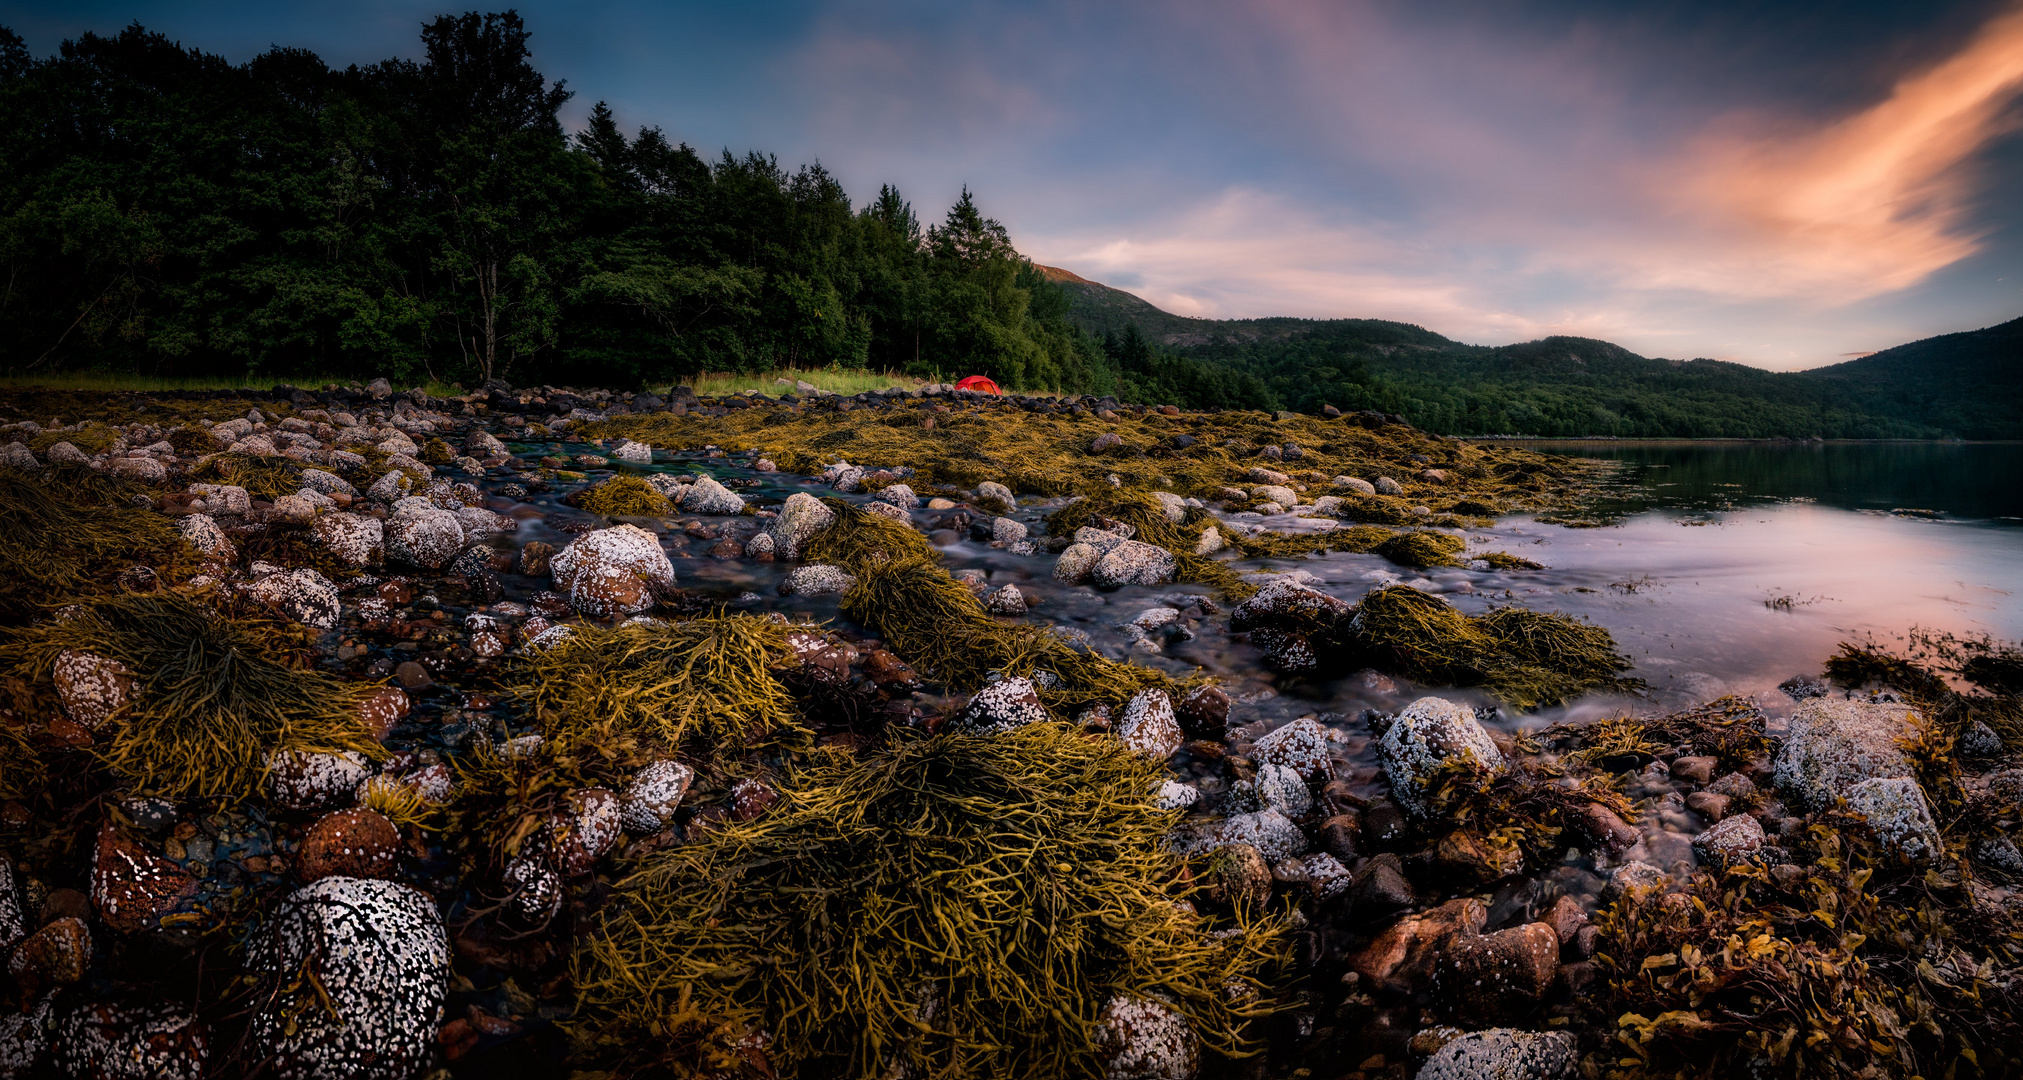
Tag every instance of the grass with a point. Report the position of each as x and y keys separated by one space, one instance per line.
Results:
x=846 y=382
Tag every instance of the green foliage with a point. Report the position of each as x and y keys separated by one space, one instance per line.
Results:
x=949 y=905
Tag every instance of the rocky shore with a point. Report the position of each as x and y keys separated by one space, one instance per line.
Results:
x=550 y=732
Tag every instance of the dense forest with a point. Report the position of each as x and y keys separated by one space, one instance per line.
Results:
x=166 y=212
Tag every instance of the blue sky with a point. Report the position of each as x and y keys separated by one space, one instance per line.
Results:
x=1779 y=184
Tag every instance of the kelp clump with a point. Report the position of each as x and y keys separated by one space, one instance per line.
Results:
x=706 y=683
x=1529 y=658
x=939 y=625
x=1921 y=677
x=626 y=496
x=212 y=693
x=939 y=906
x=1729 y=729
x=263 y=477
x=66 y=533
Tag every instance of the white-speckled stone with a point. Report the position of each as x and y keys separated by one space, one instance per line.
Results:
x=302 y=594
x=996 y=495
x=313 y=780
x=421 y=534
x=654 y=794
x=1075 y=563
x=1505 y=1054
x=1832 y=745
x=1733 y=839
x=1134 y=563
x=800 y=518
x=116 y=1041
x=1900 y=815
x=816 y=580
x=390 y=487
x=90 y=687
x=1146 y=1039
x=13 y=925
x=1301 y=746
x=328 y=483
x=223 y=498
x=1270 y=832
x=201 y=531
x=636 y=452
x=706 y=496
x=1148 y=725
x=593 y=570
x=1429 y=732
x=1000 y=707
x=1174 y=795
x=899 y=495
x=352 y=539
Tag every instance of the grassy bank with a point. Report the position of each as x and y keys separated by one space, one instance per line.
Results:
x=844 y=381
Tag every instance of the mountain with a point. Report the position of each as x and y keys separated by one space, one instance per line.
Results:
x=1966 y=385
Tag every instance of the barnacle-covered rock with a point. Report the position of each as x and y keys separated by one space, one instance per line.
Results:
x=1000 y=707
x=1006 y=601
x=801 y=517
x=422 y=534
x=479 y=523
x=899 y=495
x=132 y=887
x=390 y=487
x=140 y=470
x=1076 y=563
x=223 y=498
x=1272 y=833
x=612 y=571
x=816 y=580
x=90 y=687
x=1485 y=977
x=383 y=708
x=1134 y=563
x=114 y=1041
x=201 y=531
x=585 y=830
x=313 y=779
x=382 y=964
x=1900 y=815
x=301 y=594
x=637 y=453
x=1832 y=745
x=1733 y=839
x=355 y=843
x=533 y=889
x=1505 y=1054
x=328 y=483
x=1275 y=787
x=1301 y=746
x=706 y=496
x=352 y=539
x=1148 y=726
x=1143 y=1038
x=1427 y=734
x=24 y=1039
x=654 y=794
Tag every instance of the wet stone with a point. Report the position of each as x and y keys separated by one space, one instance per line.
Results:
x=1505 y=1054
x=355 y=843
x=1000 y=707
x=132 y=887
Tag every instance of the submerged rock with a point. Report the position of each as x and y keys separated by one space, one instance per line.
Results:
x=1427 y=734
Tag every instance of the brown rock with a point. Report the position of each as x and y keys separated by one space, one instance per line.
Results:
x=133 y=887
x=751 y=798
x=1708 y=805
x=383 y=708
x=586 y=830
x=91 y=688
x=1238 y=876
x=886 y=669
x=1490 y=978
x=1603 y=829
x=1469 y=857
x=412 y=676
x=1204 y=712
x=1405 y=951
x=534 y=558
x=1338 y=835
x=349 y=843
x=56 y=955
x=1696 y=770
x=1566 y=919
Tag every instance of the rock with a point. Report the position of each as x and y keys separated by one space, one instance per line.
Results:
x=1210 y=542
x=1204 y=712
x=1708 y=805
x=800 y=518
x=1076 y=563
x=1735 y=785
x=379 y=389
x=1006 y=530
x=1275 y=493
x=479 y=523
x=1173 y=795
x=303 y=595
x=1172 y=506
x=1900 y=816
x=381 y=709
x=1631 y=877
x=1301 y=746
x=1262 y=475
x=1284 y=600
x=1429 y=732
x=1505 y=1054
x=1325 y=876
x=1979 y=740
x=313 y=779
x=1239 y=877
x=201 y=531
x=1134 y=563
x=1387 y=486
x=654 y=794
x=139 y=470
x=1142 y=1038
x=1695 y=770
x=1270 y=832
x=112 y=1041
x=56 y=955
x=1832 y=745
x=352 y=539
x=1566 y=919
x=483 y=444
x=224 y=498
x=293 y=509
x=1105 y=441
x=16 y=455
x=898 y=495
x=390 y=487
x=1999 y=852
x=636 y=452
x=91 y=688
x=1148 y=726
x=1006 y=601
x=412 y=676
x=1404 y=953
x=535 y=558
x=1469 y=857
x=1360 y=487
x=1732 y=840
x=356 y=843
x=816 y=580
x=423 y=535
x=1339 y=835
x=1000 y=707
x=1486 y=977
x=760 y=547
x=13 y=921
x=582 y=833
x=995 y=495
x=382 y=964
x=1603 y=830
x=1381 y=887
x=132 y=887
x=1275 y=787
x=534 y=890
x=706 y=496
x=64 y=453
x=612 y=571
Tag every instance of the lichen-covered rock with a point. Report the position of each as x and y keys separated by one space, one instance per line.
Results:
x=996 y=496
x=91 y=688
x=1301 y=746
x=1006 y=601
x=1505 y=1054
x=1145 y=1039
x=1134 y=563
x=301 y=594
x=1832 y=745
x=479 y=523
x=1486 y=977
x=352 y=539
x=899 y=495
x=1148 y=725
x=1733 y=839
x=1387 y=486
x=422 y=534
x=817 y=580
x=654 y=794
x=64 y=453
x=1900 y=816
x=1006 y=530
x=390 y=487
x=139 y=470
x=382 y=964
x=16 y=455
x=1270 y=832
x=586 y=829
x=114 y=1041
x=201 y=531
x=132 y=887
x=636 y=452
x=1000 y=707
x=313 y=779
x=706 y=496
x=1077 y=561
x=1427 y=734
x=800 y=518
x=355 y=843
x=612 y=571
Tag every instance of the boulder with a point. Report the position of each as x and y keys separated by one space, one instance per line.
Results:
x=1000 y=707
x=706 y=496
x=1134 y=563
x=382 y=963
x=1148 y=725
x=224 y=498
x=899 y=495
x=201 y=531
x=303 y=595
x=13 y=921
x=479 y=523
x=1387 y=486
x=1427 y=734
x=314 y=779
x=1275 y=787
x=816 y=580
x=1006 y=530
x=1172 y=506
x=390 y=487
x=1505 y=1054
x=56 y=955
x=355 y=843
x=656 y=791
x=800 y=518
x=1210 y=541
x=1273 y=834
x=1355 y=484
x=132 y=887
x=1077 y=561
x=1404 y=953
x=352 y=539
x=1275 y=493
x=996 y=496
x=637 y=453
x=1106 y=441
x=1204 y=712
x=1488 y=977
x=1301 y=746
x=1286 y=603
x=1899 y=815
x=587 y=827
x=90 y=688
x=1006 y=601
x=1832 y=745
x=613 y=571
x=139 y=470
x=423 y=535
x=64 y=453
x=1143 y=1038
x=16 y=455
x=1631 y=877
x=119 y=1041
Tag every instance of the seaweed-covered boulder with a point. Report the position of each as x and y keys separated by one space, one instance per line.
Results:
x=118 y=1041
x=132 y=887
x=800 y=518
x=422 y=534
x=816 y=580
x=1630 y=877
x=706 y=496
x=1148 y=725
x=201 y=531
x=656 y=791
x=1134 y=563
x=1832 y=745
x=1427 y=734
x=90 y=687
x=612 y=571
x=1900 y=816
x=1000 y=707
x=1505 y=1054
x=302 y=594
x=382 y=963
x=1143 y=1038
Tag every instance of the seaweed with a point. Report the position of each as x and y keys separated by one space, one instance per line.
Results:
x=263 y=477
x=942 y=905
x=1531 y=805
x=626 y=496
x=1422 y=548
x=214 y=692
x=1528 y=658
x=706 y=683
x=65 y=533
x=1729 y=729
x=503 y=800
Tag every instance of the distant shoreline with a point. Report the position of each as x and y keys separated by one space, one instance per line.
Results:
x=1644 y=440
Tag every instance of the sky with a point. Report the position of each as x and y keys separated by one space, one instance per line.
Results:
x=1780 y=184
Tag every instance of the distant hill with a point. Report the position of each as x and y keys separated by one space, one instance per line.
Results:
x=1966 y=385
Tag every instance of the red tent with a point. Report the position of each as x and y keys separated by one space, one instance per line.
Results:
x=980 y=384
